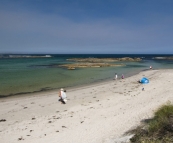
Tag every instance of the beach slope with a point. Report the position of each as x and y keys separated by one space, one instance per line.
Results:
x=99 y=113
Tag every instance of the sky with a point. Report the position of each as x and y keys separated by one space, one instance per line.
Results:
x=86 y=26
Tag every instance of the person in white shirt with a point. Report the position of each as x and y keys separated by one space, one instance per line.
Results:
x=116 y=76
x=63 y=96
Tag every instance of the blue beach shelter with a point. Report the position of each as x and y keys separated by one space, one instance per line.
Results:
x=144 y=80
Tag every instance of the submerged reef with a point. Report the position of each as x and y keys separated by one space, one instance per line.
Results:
x=85 y=65
x=96 y=62
x=104 y=59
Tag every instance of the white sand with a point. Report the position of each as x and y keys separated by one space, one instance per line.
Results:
x=94 y=114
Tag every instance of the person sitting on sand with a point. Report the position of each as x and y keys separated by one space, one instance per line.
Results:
x=63 y=96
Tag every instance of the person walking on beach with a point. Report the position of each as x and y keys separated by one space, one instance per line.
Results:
x=116 y=76
x=122 y=76
x=63 y=96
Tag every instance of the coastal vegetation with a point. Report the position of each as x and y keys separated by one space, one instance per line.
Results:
x=159 y=129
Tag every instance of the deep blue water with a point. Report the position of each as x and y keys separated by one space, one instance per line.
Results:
x=26 y=75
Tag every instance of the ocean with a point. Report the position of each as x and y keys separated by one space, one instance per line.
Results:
x=22 y=74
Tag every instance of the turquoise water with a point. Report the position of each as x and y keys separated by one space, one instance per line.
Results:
x=27 y=75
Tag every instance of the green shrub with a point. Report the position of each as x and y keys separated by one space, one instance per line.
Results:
x=159 y=129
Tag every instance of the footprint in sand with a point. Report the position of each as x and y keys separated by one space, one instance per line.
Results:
x=21 y=138
x=2 y=120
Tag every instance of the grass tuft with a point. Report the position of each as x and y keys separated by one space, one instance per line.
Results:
x=159 y=129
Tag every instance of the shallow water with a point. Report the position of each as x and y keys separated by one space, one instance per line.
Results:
x=27 y=75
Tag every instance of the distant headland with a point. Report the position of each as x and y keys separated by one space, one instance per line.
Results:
x=25 y=56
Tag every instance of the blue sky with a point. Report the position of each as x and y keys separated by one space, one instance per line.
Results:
x=86 y=26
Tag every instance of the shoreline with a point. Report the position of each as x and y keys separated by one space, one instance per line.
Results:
x=99 y=113
x=101 y=81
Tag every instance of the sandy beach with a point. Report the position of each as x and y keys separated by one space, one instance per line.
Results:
x=99 y=113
